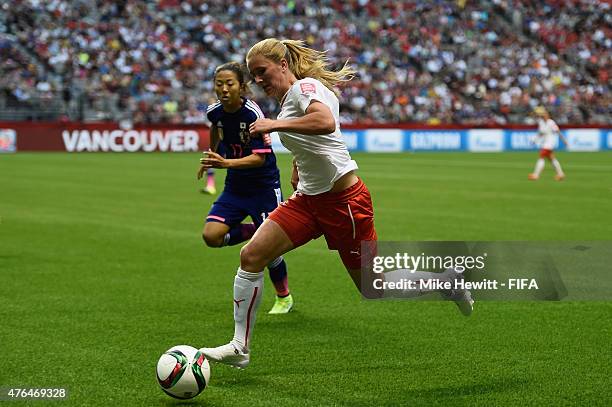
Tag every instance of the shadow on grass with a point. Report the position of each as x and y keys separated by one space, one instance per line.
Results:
x=485 y=390
x=222 y=386
x=241 y=383
x=462 y=394
x=227 y=382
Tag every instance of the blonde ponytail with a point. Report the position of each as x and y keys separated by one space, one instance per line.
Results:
x=303 y=61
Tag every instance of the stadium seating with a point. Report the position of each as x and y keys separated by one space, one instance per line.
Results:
x=477 y=62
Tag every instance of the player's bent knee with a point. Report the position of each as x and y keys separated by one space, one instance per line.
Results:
x=212 y=239
x=252 y=259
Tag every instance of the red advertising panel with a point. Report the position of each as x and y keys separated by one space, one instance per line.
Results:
x=104 y=137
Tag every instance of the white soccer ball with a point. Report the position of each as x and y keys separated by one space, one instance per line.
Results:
x=183 y=372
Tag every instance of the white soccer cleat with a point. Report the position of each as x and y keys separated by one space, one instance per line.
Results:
x=461 y=297
x=464 y=300
x=228 y=354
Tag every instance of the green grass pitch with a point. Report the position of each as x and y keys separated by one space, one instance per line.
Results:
x=102 y=268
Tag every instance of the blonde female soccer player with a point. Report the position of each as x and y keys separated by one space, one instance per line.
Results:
x=330 y=199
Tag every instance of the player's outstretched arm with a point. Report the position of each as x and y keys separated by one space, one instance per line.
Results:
x=214 y=138
x=318 y=120
x=214 y=145
x=214 y=160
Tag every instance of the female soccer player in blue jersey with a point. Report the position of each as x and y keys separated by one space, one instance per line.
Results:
x=252 y=185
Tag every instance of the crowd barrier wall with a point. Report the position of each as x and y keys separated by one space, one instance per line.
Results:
x=109 y=137
x=101 y=137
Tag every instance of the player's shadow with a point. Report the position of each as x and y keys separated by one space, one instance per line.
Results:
x=243 y=383
x=498 y=385
x=231 y=383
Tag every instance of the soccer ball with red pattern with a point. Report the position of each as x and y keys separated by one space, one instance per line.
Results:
x=183 y=372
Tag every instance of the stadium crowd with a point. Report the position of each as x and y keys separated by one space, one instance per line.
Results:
x=476 y=62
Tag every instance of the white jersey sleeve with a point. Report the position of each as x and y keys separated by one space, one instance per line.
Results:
x=307 y=91
x=548 y=131
x=321 y=159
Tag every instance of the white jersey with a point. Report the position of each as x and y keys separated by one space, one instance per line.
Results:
x=547 y=131
x=322 y=159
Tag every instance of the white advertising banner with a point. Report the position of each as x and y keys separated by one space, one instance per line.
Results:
x=486 y=140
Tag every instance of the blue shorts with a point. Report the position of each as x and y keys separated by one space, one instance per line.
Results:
x=232 y=208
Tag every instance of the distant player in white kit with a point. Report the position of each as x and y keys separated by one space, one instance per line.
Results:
x=548 y=131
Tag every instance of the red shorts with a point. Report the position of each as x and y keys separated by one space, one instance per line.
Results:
x=546 y=153
x=345 y=218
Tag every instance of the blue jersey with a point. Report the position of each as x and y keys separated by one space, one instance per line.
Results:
x=236 y=142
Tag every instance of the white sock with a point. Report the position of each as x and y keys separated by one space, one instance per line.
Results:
x=557 y=166
x=539 y=166
x=248 y=288
x=418 y=278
